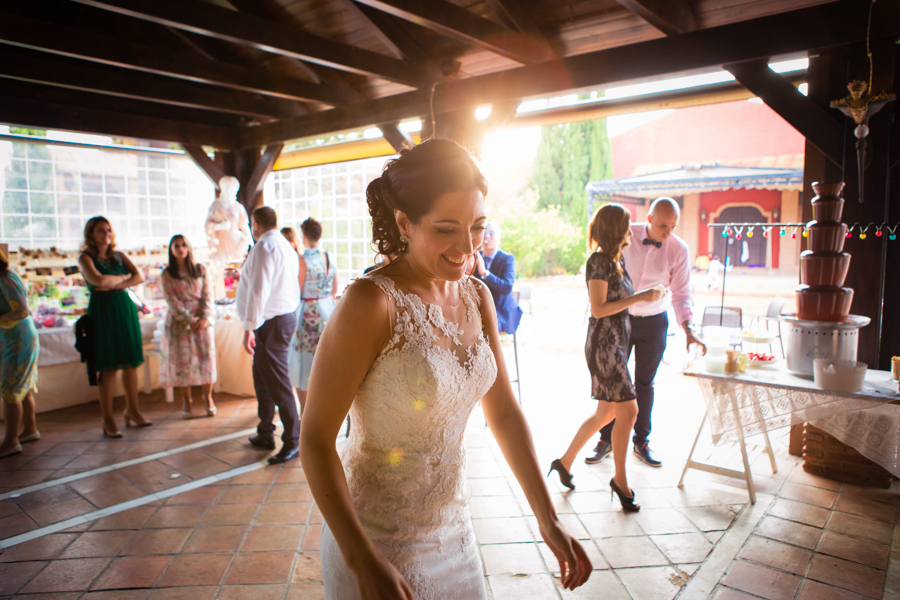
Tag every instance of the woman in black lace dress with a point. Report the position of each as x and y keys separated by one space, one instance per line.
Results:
x=611 y=293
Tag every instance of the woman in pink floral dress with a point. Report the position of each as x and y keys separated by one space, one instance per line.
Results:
x=188 y=347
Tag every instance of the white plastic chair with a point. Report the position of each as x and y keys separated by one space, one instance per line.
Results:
x=772 y=315
x=523 y=295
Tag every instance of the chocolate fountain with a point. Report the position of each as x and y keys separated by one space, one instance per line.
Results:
x=823 y=267
x=823 y=326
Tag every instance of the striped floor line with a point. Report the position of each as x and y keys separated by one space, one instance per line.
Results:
x=105 y=512
x=124 y=464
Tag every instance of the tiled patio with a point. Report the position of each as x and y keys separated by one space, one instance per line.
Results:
x=186 y=509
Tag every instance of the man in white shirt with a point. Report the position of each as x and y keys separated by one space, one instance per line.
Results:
x=267 y=299
x=655 y=256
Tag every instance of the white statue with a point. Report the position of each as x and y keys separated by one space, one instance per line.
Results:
x=227 y=225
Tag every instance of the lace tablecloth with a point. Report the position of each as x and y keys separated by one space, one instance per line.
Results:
x=770 y=399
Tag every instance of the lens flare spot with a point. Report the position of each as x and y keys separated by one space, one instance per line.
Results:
x=419 y=404
x=395 y=456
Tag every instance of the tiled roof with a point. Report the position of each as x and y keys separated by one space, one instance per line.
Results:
x=771 y=173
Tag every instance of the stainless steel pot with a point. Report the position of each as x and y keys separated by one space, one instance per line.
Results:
x=807 y=340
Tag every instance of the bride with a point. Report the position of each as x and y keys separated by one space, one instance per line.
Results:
x=408 y=352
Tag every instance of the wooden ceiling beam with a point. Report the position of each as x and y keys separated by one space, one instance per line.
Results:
x=837 y=23
x=251 y=190
x=386 y=40
x=502 y=113
x=329 y=77
x=209 y=167
x=17 y=30
x=390 y=28
x=27 y=112
x=263 y=34
x=822 y=129
x=729 y=91
x=396 y=138
x=453 y=21
x=124 y=83
x=513 y=12
x=669 y=16
x=116 y=104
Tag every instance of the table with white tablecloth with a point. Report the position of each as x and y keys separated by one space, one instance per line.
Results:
x=62 y=377
x=760 y=400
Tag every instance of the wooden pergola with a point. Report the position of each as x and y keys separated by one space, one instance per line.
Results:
x=245 y=76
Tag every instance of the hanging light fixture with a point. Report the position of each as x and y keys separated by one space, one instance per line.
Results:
x=860 y=105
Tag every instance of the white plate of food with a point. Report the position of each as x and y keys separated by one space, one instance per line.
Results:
x=757 y=337
x=759 y=360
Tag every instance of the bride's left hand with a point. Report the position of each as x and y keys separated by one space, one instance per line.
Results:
x=574 y=565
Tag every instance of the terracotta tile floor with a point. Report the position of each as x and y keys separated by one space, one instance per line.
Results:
x=249 y=532
x=256 y=535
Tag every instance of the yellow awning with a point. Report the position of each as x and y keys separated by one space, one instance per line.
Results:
x=334 y=153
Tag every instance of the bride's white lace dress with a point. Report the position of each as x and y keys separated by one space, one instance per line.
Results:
x=405 y=459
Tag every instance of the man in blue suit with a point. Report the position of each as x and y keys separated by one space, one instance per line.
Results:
x=497 y=269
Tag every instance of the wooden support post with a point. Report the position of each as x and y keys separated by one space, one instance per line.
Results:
x=817 y=124
x=873 y=257
x=252 y=186
x=396 y=138
x=209 y=167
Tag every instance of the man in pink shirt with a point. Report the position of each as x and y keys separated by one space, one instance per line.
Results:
x=656 y=256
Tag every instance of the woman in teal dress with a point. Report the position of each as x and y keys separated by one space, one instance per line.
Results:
x=19 y=349
x=117 y=330
x=318 y=285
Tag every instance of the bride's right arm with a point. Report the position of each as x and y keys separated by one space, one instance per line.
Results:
x=356 y=332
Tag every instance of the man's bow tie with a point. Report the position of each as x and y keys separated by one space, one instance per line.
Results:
x=649 y=242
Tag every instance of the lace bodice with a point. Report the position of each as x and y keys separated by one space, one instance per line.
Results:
x=405 y=459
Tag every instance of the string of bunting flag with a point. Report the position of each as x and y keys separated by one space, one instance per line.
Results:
x=862 y=230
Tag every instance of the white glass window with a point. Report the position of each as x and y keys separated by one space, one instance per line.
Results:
x=48 y=192
x=334 y=195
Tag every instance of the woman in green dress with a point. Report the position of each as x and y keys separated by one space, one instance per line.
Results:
x=117 y=330
x=19 y=349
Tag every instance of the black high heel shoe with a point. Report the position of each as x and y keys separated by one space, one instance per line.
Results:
x=627 y=501
x=565 y=477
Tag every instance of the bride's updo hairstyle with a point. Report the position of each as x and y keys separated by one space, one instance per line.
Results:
x=412 y=182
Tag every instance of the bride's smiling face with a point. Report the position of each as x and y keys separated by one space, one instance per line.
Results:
x=445 y=238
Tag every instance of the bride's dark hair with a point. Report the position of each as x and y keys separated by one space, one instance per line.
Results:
x=412 y=182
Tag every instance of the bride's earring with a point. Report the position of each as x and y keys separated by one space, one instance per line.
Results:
x=404 y=239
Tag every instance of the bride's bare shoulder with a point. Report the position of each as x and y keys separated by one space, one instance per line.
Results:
x=363 y=299
x=362 y=312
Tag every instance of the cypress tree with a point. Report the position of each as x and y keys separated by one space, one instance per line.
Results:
x=571 y=155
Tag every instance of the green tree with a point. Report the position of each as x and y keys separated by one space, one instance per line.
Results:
x=571 y=155
x=546 y=173
x=542 y=240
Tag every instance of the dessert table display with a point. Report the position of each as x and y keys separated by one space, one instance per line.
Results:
x=814 y=384
x=58 y=296
x=760 y=400
x=62 y=378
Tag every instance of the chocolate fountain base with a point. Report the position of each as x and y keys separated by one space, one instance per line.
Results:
x=808 y=340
